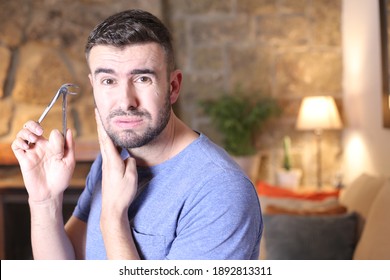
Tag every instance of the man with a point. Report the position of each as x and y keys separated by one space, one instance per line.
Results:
x=158 y=190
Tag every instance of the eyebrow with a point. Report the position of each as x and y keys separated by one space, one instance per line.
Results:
x=103 y=70
x=143 y=71
x=133 y=72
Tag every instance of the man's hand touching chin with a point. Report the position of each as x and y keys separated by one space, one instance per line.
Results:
x=119 y=187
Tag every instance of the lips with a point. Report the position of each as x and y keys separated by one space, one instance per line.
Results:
x=127 y=122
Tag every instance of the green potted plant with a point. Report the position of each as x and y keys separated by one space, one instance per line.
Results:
x=239 y=116
x=288 y=176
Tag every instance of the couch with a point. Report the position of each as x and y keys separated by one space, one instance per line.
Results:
x=352 y=223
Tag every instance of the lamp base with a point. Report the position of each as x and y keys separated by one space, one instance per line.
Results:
x=318 y=133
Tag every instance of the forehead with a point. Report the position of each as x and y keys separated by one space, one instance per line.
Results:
x=150 y=55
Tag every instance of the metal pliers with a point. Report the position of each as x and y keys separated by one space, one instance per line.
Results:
x=64 y=90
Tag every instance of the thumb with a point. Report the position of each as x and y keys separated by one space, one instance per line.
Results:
x=56 y=143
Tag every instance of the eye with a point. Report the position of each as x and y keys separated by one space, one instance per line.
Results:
x=144 y=79
x=108 y=81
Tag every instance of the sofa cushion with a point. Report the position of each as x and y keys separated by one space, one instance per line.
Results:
x=337 y=209
x=293 y=237
x=278 y=200
x=359 y=195
x=294 y=204
x=375 y=239
x=268 y=190
x=296 y=200
x=361 y=192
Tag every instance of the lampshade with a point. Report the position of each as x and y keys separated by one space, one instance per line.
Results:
x=318 y=113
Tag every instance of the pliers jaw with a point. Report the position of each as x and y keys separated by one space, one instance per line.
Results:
x=64 y=90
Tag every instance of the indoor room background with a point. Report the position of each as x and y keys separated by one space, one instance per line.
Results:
x=284 y=49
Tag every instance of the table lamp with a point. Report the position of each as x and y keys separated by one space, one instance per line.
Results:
x=318 y=113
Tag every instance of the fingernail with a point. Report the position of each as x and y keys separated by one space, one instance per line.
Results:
x=39 y=130
x=32 y=138
x=26 y=146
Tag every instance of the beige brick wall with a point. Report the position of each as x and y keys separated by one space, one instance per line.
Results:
x=286 y=49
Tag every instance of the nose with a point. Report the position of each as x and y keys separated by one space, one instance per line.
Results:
x=128 y=97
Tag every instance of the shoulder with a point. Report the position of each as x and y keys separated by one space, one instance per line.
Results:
x=209 y=155
x=231 y=190
x=210 y=169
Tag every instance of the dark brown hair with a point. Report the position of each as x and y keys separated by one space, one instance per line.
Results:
x=132 y=27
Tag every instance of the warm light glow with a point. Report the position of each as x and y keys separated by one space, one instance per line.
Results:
x=356 y=147
x=317 y=113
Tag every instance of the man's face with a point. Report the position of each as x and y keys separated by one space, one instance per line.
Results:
x=132 y=92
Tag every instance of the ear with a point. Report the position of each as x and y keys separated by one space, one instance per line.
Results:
x=175 y=85
x=90 y=79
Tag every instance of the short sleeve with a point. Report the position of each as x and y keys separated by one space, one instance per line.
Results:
x=84 y=202
x=222 y=221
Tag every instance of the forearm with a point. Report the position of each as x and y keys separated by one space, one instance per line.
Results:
x=118 y=238
x=48 y=236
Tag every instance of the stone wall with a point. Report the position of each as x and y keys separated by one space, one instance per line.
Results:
x=41 y=48
x=285 y=49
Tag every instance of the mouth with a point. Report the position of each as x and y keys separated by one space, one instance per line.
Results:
x=125 y=122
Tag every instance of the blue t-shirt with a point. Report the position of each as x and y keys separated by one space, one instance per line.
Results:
x=196 y=205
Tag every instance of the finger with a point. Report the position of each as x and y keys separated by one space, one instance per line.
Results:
x=27 y=135
x=34 y=127
x=19 y=146
x=30 y=132
x=56 y=142
x=101 y=133
x=131 y=167
x=107 y=147
x=69 y=147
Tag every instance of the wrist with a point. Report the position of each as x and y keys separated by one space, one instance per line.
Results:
x=111 y=216
x=42 y=202
x=117 y=236
x=47 y=210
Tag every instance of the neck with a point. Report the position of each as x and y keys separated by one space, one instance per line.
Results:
x=173 y=139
